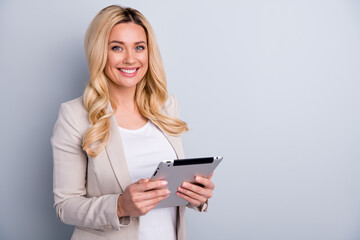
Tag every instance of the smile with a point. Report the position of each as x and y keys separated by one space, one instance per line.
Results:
x=128 y=70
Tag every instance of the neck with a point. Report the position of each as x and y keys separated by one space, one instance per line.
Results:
x=127 y=113
x=122 y=97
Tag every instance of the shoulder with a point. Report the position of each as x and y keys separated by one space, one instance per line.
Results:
x=76 y=105
x=74 y=113
x=170 y=106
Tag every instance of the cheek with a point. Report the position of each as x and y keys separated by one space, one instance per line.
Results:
x=110 y=67
x=112 y=59
x=107 y=70
x=110 y=71
x=144 y=60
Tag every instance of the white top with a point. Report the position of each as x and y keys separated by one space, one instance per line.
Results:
x=144 y=148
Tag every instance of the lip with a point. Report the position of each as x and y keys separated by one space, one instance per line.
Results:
x=129 y=69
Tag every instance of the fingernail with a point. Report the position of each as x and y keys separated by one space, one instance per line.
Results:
x=167 y=191
x=185 y=184
x=180 y=189
x=164 y=183
x=197 y=179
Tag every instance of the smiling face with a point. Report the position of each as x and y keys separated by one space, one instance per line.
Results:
x=127 y=59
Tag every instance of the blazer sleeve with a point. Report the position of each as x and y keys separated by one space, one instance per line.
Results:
x=69 y=179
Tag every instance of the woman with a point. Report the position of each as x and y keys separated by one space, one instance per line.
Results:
x=106 y=143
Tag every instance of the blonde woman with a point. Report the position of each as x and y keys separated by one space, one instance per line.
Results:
x=107 y=143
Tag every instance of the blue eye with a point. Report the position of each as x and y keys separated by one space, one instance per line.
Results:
x=139 y=48
x=116 y=48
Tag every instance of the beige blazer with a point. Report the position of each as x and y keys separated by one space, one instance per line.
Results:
x=86 y=189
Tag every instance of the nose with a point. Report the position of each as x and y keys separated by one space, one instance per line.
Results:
x=129 y=57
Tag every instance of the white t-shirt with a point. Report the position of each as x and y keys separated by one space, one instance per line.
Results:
x=144 y=149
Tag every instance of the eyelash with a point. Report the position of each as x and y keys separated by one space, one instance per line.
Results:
x=142 y=48
x=117 y=48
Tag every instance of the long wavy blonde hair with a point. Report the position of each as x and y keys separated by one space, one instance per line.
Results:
x=151 y=92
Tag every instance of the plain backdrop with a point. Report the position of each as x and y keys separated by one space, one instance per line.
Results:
x=273 y=86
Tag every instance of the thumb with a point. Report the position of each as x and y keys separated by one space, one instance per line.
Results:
x=143 y=180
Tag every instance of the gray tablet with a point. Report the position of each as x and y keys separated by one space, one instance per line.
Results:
x=175 y=172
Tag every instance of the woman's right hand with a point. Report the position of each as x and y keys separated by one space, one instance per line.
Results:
x=140 y=197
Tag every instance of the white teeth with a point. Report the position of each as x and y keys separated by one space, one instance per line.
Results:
x=128 y=71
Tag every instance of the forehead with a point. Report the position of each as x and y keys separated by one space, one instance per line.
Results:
x=127 y=33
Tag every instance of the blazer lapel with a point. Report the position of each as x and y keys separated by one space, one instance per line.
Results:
x=115 y=152
x=176 y=143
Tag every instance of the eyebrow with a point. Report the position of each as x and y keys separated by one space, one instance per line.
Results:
x=121 y=42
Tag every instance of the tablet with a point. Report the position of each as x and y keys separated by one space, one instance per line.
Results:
x=175 y=172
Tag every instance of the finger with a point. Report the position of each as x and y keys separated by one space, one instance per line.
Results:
x=149 y=185
x=157 y=201
x=140 y=181
x=193 y=195
x=144 y=210
x=190 y=200
x=197 y=189
x=143 y=180
x=152 y=201
x=205 y=182
x=148 y=208
x=153 y=194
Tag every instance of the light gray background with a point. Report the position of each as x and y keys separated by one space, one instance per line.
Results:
x=273 y=86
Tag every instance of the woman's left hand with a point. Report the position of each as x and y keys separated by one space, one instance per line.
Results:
x=196 y=195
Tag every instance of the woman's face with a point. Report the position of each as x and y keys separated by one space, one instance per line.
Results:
x=127 y=60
